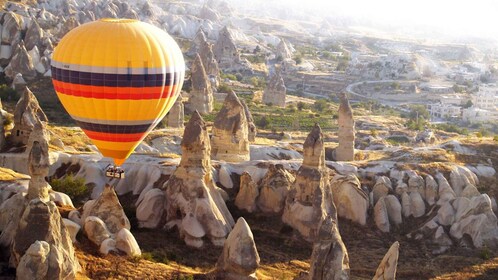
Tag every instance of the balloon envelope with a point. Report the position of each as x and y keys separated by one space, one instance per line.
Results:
x=117 y=78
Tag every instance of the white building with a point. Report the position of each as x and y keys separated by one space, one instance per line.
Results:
x=439 y=110
x=474 y=115
x=453 y=99
x=486 y=98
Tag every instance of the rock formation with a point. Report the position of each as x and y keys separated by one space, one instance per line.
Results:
x=27 y=113
x=310 y=200
x=104 y=219
x=210 y=63
x=274 y=188
x=21 y=62
x=351 y=201
x=194 y=203
x=176 y=114
x=248 y=192
x=230 y=132
x=251 y=127
x=38 y=163
x=33 y=35
x=2 y=128
x=345 y=150
x=387 y=267
x=41 y=221
x=275 y=92
x=201 y=95
x=227 y=55
x=283 y=50
x=329 y=259
x=240 y=258
x=19 y=84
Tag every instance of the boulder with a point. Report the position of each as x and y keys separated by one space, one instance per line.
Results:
x=239 y=259
x=416 y=183
x=381 y=216
x=431 y=190
x=248 y=192
x=107 y=246
x=127 y=243
x=72 y=227
x=393 y=207
x=96 y=230
x=351 y=201
x=417 y=205
x=446 y=193
x=446 y=214
x=151 y=208
x=381 y=188
x=388 y=265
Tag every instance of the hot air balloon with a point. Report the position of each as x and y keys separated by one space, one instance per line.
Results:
x=117 y=78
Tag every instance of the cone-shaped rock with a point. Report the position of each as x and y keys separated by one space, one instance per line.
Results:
x=310 y=200
x=33 y=35
x=21 y=62
x=108 y=208
x=194 y=203
x=275 y=92
x=201 y=95
x=26 y=115
x=329 y=259
x=240 y=258
x=283 y=50
x=226 y=53
x=41 y=221
x=346 y=134
x=230 y=132
x=388 y=265
x=248 y=192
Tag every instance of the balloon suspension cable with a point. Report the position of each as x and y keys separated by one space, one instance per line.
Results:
x=114 y=172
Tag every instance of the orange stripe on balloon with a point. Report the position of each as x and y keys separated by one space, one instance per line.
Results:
x=124 y=93
x=114 y=137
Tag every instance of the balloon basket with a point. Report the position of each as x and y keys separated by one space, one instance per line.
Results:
x=115 y=172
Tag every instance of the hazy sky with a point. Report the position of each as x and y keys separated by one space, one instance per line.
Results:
x=466 y=17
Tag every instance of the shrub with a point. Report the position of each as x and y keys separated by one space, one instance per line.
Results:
x=262 y=122
x=224 y=88
x=301 y=105
x=374 y=132
x=495 y=138
x=74 y=187
x=320 y=105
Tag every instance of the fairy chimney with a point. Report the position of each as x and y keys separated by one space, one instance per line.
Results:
x=275 y=92
x=192 y=185
x=346 y=133
x=230 y=132
x=27 y=113
x=310 y=200
x=201 y=96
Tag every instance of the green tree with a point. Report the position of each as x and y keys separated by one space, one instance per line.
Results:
x=468 y=104
x=320 y=105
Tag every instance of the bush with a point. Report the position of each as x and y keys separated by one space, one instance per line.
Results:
x=320 y=105
x=262 y=122
x=74 y=187
x=301 y=105
x=374 y=132
x=239 y=77
x=224 y=88
x=495 y=138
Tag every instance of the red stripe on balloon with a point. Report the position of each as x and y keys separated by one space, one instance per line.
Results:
x=123 y=93
x=114 y=137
